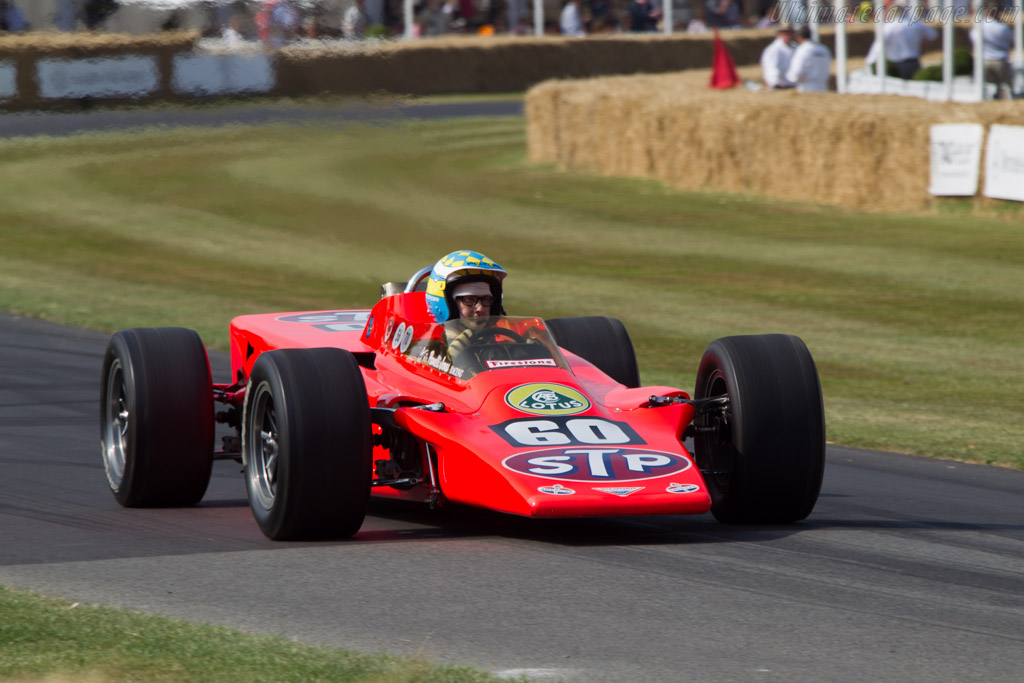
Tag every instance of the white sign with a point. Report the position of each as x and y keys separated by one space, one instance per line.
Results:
x=955 y=158
x=128 y=76
x=8 y=81
x=222 y=74
x=1004 y=163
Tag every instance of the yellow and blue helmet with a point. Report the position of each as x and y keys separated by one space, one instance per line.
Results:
x=460 y=267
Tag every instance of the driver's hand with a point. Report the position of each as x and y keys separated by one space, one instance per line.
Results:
x=459 y=344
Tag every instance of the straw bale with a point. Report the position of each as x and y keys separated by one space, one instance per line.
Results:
x=82 y=43
x=861 y=152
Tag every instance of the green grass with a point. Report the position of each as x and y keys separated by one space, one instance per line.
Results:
x=916 y=322
x=55 y=640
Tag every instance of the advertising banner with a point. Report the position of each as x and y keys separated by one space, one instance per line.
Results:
x=8 y=81
x=955 y=159
x=1004 y=163
x=222 y=74
x=130 y=76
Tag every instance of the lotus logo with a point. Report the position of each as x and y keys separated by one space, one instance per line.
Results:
x=547 y=399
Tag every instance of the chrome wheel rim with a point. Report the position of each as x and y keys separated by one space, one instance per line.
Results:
x=116 y=417
x=262 y=449
x=716 y=447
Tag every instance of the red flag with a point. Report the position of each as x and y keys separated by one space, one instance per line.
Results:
x=723 y=69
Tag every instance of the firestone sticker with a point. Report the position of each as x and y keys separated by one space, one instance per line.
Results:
x=547 y=399
x=536 y=362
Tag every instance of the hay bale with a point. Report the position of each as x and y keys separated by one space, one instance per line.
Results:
x=859 y=152
x=78 y=44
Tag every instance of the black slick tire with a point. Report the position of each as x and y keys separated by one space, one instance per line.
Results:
x=600 y=341
x=156 y=417
x=307 y=444
x=765 y=461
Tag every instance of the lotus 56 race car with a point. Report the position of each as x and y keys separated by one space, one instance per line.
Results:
x=541 y=418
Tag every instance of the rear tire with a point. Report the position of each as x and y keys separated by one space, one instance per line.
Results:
x=156 y=417
x=307 y=444
x=600 y=341
x=766 y=461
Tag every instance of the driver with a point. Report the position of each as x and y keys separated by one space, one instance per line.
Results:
x=464 y=286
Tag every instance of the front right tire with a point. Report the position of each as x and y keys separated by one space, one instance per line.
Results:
x=307 y=444
x=156 y=417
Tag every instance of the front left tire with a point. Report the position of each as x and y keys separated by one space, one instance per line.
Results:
x=763 y=458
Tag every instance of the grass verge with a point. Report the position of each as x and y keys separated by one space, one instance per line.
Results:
x=55 y=640
x=916 y=323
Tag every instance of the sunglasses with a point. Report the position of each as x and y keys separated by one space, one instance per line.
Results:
x=472 y=301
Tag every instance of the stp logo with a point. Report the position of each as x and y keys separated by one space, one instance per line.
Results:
x=596 y=464
x=547 y=399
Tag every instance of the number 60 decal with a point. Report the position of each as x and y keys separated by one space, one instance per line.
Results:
x=567 y=431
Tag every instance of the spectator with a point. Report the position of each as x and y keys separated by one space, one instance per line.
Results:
x=515 y=15
x=231 y=34
x=453 y=10
x=600 y=11
x=722 y=13
x=433 y=19
x=95 y=12
x=776 y=58
x=904 y=41
x=811 y=65
x=327 y=17
x=997 y=42
x=465 y=13
x=642 y=16
x=697 y=25
x=354 y=22
x=570 y=22
x=374 y=12
x=11 y=17
x=65 y=15
x=285 y=21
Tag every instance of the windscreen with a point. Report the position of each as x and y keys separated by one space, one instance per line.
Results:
x=464 y=349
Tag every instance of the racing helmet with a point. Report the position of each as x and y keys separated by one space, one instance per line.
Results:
x=461 y=267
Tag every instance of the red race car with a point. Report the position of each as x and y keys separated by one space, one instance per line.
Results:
x=523 y=416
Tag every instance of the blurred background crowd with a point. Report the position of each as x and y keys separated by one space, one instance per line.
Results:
x=279 y=22
x=792 y=60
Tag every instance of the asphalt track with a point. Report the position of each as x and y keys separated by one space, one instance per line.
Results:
x=909 y=569
x=33 y=123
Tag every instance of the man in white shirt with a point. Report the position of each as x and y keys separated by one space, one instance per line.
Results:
x=811 y=65
x=776 y=58
x=997 y=42
x=570 y=22
x=904 y=41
